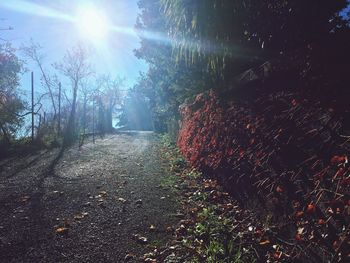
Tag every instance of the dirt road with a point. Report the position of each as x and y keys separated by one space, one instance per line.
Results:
x=88 y=205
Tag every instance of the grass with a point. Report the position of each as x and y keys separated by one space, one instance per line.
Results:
x=169 y=181
x=213 y=235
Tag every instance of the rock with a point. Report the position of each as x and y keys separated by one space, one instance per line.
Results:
x=120 y=199
x=138 y=202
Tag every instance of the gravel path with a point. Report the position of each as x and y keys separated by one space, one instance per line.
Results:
x=91 y=205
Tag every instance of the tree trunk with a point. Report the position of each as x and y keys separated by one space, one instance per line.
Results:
x=82 y=137
x=69 y=135
x=5 y=134
x=109 y=120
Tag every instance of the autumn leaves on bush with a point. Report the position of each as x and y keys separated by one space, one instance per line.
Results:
x=287 y=148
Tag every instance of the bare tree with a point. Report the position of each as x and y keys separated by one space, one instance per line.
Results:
x=87 y=91
x=75 y=67
x=33 y=52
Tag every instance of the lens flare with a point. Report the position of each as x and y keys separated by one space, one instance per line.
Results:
x=92 y=23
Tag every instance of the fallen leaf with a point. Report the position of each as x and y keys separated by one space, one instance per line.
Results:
x=336 y=244
x=298 y=237
x=258 y=232
x=295 y=102
x=277 y=255
x=339 y=159
x=61 y=230
x=81 y=215
x=279 y=189
x=299 y=214
x=321 y=222
x=311 y=208
x=25 y=198
x=103 y=193
x=300 y=230
x=78 y=217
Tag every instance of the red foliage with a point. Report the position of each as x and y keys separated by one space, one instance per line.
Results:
x=286 y=145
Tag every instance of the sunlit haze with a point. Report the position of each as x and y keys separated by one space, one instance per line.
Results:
x=106 y=28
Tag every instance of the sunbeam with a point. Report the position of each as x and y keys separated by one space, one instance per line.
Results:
x=93 y=25
x=34 y=9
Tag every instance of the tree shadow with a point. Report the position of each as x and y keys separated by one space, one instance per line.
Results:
x=24 y=166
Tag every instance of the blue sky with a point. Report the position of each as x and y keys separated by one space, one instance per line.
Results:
x=345 y=12
x=49 y=23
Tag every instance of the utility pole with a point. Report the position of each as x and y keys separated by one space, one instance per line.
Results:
x=93 y=120
x=32 y=106
x=59 y=108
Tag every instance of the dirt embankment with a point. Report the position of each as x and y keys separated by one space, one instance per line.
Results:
x=280 y=143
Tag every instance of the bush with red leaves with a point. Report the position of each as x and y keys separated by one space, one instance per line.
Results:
x=286 y=148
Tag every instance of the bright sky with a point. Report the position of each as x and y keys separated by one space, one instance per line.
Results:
x=60 y=24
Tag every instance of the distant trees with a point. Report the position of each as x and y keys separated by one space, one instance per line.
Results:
x=75 y=67
x=108 y=96
x=11 y=104
x=86 y=103
x=136 y=114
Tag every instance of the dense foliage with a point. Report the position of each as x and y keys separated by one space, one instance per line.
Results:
x=11 y=104
x=167 y=83
x=288 y=152
x=192 y=46
x=230 y=32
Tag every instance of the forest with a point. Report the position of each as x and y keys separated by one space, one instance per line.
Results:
x=231 y=144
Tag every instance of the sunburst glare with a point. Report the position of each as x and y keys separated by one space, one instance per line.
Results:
x=92 y=23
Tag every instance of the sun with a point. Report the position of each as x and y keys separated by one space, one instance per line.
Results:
x=92 y=23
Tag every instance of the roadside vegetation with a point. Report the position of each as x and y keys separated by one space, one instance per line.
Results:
x=210 y=228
